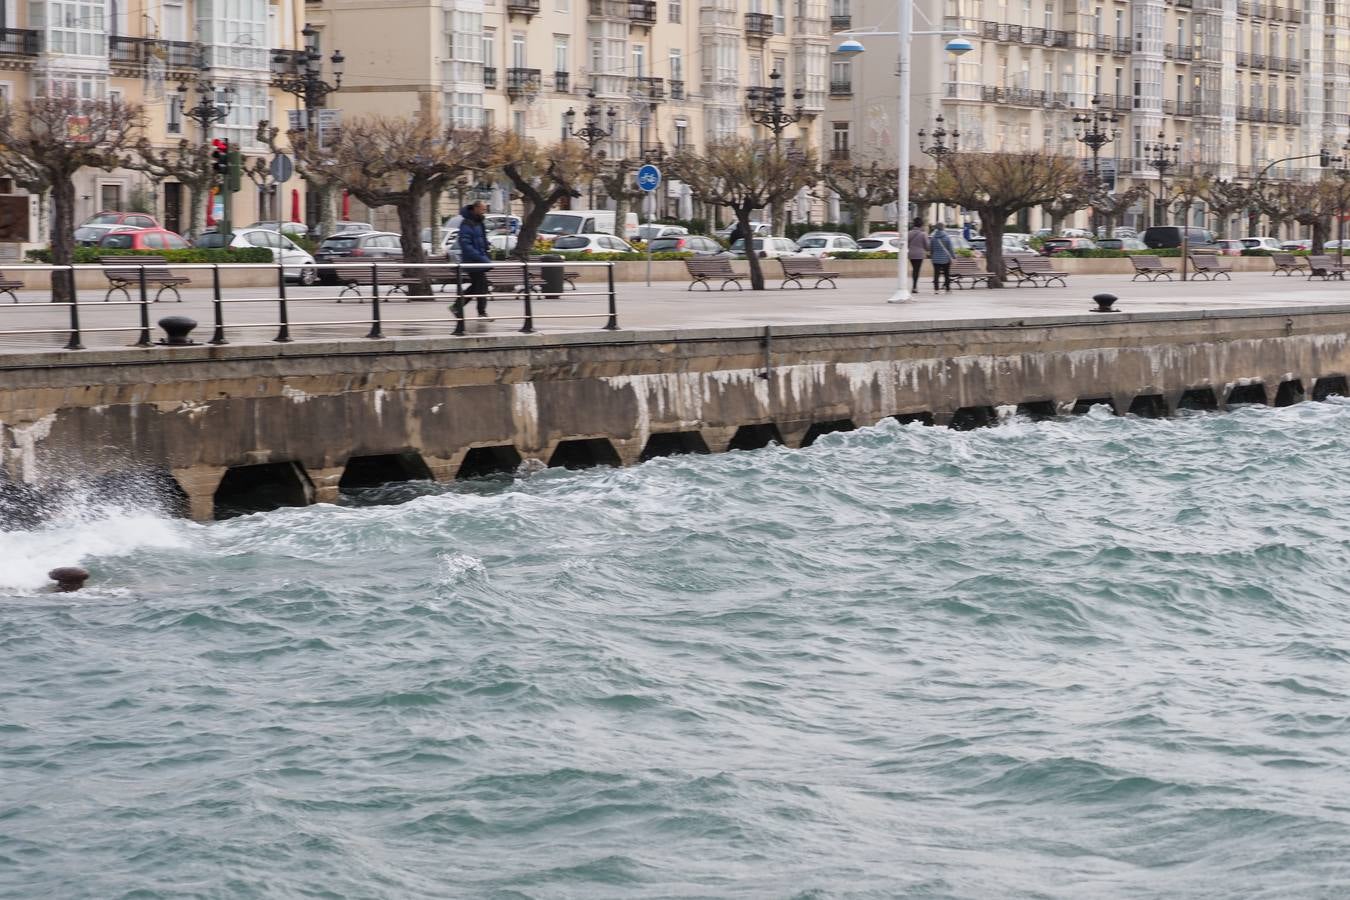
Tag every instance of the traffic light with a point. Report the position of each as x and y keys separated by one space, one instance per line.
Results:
x=234 y=170
x=1326 y=158
x=220 y=156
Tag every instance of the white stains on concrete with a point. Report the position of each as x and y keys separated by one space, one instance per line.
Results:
x=295 y=395
x=525 y=413
x=193 y=409
x=377 y=397
x=26 y=439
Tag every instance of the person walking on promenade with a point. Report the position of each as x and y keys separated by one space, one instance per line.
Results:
x=473 y=248
x=918 y=249
x=943 y=252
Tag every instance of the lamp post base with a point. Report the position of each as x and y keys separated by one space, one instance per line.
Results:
x=901 y=295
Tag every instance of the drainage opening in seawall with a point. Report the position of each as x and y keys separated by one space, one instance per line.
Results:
x=968 y=418
x=249 y=489
x=1083 y=405
x=820 y=429
x=584 y=453
x=1037 y=410
x=372 y=471
x=1289 y=393
x=923 y=418
x=1247 y=394
x=1199 y=399
x=1330 y=386
x=755 y=437
x=673 y=443
x=1149 y=406
x=480 y=462
x=142 y=488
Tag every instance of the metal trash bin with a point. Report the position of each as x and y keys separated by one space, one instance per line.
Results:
x=551 y=276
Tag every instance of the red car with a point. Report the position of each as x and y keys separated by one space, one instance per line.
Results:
x=130 y=219
x=1062 y=245
x=143 y=239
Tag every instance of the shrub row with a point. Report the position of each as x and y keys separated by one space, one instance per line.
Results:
x=89 y=255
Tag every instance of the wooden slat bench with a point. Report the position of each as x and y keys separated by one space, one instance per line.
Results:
x=9 y=286
x=1036 y=270
x=1325 y=267
x=124 y=272
x=968 y=268
x=1209 y=266
x=387 y=275
x=1150 y=268
x=1288 y=263
x=706 y=268
x=795 y=268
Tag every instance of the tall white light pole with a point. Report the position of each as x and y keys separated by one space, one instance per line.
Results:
x=958 y=46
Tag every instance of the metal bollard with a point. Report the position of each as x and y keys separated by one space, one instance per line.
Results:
x=144 y=340
x=219 y=336
x=375 y=324
x=283 y=314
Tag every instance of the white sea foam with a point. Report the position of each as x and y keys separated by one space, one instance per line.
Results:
x=27 y=556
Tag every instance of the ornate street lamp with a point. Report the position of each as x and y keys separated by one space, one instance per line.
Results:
x=765 y=106
x=213 y=105
x=1094 y=135
x=591 y=133
x=939 y=149
x=300 y=73
x=1163 y=157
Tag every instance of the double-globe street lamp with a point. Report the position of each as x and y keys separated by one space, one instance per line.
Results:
x=939 y=149
x=957 y=46
x=765 y=107
x=1163 y=157
x=213 y=104
x=591 y=133
x=1096 y=130
x=300 y=74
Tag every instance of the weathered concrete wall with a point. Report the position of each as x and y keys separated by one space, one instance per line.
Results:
x=203 y=410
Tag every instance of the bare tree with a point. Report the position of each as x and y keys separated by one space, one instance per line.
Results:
x=396 y=162
x=1075 y=197
x=744 y=175
x=318 y=183
x=861 y=185
x=544 y=175
x=1109 y=207
x=49 y=139
x=999 y=185
x=1225 y=198
x=618 y=178
x=1279 y=201
x=187 y=163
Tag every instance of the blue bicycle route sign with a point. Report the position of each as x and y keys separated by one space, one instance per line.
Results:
x=648 y=178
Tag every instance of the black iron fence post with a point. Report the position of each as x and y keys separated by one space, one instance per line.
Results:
x=613 y=323
x=458 y=307
x=145 y=310
x=283 y=313
x=219 y=336
x=528 y=327
x=375 y=325
x=74 y=342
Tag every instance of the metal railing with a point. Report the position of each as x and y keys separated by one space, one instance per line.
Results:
x=529 y=286
x=20 y=42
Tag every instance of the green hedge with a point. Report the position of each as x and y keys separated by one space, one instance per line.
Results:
x=862 y=254
x=90 y=255
x=616 y=257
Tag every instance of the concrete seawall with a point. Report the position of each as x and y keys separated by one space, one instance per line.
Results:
x=295 y=422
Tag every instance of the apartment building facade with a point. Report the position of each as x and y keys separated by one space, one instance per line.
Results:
x=141 y=53
x=675 y=72
x=1237 y=84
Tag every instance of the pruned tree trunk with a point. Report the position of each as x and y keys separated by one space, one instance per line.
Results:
x=410 y=238
x=756 y=270
x=991 y=226
x=63 y=239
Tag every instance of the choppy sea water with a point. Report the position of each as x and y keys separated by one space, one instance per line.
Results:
x=1099 y=657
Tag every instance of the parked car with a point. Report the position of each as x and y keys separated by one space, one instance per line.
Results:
x=697 y=244
x=1121 y=243
x=881 y=235
x=371 y=246
x=652 y=232
x=892 y=244
x=591 y=243
x=298 y=264
x=1162 y=237
x=1011 y=243
x=824 y=244
x=344 y=227
x=1020 y=236
x=1229 y=247
x=758 y=229
x=1062 y=245
x=90 y=235
x=294 y=229
x=143 y=239
x=129 y=219
x=1336 y=245
x=1118 y=232
x=1260 y=242
x=1299 y=244
x=766 y=247
x=1075 y=233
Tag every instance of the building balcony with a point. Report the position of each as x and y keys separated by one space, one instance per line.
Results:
x=841 y=88
x=19 y=44
x=677 y=89
x=1182 y=52
x=840 y=154
x=522 y=81
x=642 y=12
x=526 y=8
x=1179 y=107
x=562 y=82
x=137 y=52
x=1258 y=60
x=653 y=89
x=758 y=26
x=1044 y=37
x=489 y=76
x=841 y=23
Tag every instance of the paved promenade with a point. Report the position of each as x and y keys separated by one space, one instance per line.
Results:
x=665 y=305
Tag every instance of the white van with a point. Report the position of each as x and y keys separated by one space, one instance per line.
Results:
x=585 y=221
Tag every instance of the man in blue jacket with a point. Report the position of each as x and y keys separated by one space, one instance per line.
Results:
x=473 y=248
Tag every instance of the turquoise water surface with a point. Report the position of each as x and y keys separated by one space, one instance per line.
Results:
x=1093 y=657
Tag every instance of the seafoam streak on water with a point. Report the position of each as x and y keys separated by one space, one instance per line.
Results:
x=1083 y=658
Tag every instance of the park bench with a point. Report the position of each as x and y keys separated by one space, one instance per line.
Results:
x=968 y=268
x=124 y=272
x=354 y=278
x=1150 y=268
x=1288 y=263
x=705 y=268
x=9 y=286
x=1036 y=270
x=1209 y=266
x=1325 y=267
x=795 y=268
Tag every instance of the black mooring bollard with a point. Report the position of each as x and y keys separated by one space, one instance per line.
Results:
x=68 y=578
x=1104 y=302
x=177 y=329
